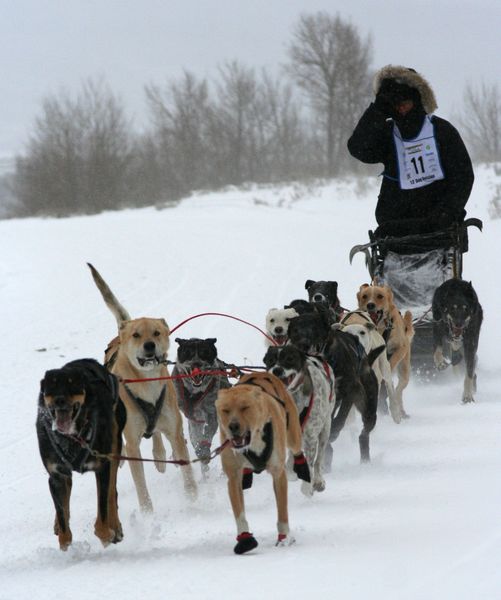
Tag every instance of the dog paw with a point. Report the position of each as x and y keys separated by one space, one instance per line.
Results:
x=160 y=467
x=319 y=485
x=467 y=399
x=301 y=467
x=247 y=478
x=285 y=540
x=119 y=534
x=245 y=543
x=441 y=365
x=307 y=489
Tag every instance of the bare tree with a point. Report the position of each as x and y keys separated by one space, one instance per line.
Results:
x=235 y=119
x=77 y=158
x=330 y=62
x=180 y=116
x=481 y=122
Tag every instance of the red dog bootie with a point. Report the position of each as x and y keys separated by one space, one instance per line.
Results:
x=301 y=467
x=247 y=479
x=245 y=543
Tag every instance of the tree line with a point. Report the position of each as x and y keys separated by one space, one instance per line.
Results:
x=83 y=155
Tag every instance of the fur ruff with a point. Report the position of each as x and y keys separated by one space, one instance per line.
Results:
x=410 y=78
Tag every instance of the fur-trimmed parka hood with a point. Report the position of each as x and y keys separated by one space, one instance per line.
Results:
x=411 y=78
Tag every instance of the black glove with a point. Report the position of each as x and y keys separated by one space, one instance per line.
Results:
x=383 y=103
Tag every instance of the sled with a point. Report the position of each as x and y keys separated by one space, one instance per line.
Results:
x=414 y=266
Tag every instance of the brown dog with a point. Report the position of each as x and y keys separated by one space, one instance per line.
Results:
x=260 y=420
x=396 y=330
x=139 y=352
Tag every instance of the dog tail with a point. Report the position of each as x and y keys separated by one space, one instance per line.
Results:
x=409 y=327
x=112 y=303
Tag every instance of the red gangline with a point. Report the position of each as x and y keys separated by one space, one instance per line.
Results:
x=217 y=314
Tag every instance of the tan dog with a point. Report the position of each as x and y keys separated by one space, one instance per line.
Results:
x=140 y=351
x=396 y=330
x=260 y=420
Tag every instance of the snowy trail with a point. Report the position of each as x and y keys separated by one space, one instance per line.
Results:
x=421 y=521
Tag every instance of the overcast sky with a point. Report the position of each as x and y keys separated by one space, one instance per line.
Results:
x=50 y=44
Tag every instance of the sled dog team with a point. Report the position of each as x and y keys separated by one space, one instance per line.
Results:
x=320 y=363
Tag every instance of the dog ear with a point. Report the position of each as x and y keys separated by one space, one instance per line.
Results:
x=211 y=340
x=333 y=287
x=307 y=383
x=308 y=284
x=180 y=341
x=42 y=385
x=359 y=293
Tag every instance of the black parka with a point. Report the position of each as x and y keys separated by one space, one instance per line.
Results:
x=433 y=206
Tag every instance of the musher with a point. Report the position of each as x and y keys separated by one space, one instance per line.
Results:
x=428 y=175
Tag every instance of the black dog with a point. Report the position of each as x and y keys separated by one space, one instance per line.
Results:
x=79 y=413
x=325 y=292
x=301 y=306
x=356 y=383
x=197 y=393
x=457 y=318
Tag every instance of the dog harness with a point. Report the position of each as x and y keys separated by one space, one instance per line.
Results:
x=259 y=461
x=150 y=411
x=69 y=451
x=189 y=404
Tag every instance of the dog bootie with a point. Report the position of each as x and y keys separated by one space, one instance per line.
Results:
x=245 y=543
x=301 y=467
x=247 y=479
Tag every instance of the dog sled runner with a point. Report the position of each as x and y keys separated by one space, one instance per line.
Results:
x=414 y=266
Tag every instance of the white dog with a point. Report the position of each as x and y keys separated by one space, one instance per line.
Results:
x=359 y=324
x=277 y=324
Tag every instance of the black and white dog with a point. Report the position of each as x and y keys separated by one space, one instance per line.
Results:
x=457 y=318
x=356 y=383
x=325 y=292
x=310 y=382
x=197 y=392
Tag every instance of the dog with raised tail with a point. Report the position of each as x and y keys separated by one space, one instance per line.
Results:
x=140 y=353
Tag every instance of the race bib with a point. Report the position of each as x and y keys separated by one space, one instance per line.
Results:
x=418 y=159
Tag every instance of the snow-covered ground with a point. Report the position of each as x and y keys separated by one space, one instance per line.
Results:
x=422 y=521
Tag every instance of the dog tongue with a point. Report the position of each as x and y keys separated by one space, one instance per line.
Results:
x=63 y=421
x=373 y=316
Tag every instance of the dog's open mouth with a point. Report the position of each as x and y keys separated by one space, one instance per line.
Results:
x=197 y=377
x=280 y=339
x=376 y=316
x=63 y=419
x=456 y=331
x=148 y=361
x=240 y=442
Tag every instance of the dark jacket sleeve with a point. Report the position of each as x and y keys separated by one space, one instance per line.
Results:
x=371 y=137
x=458 y=171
